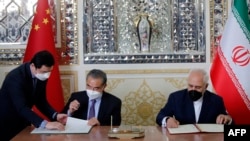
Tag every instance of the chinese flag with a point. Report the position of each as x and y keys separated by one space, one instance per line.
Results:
x=42 y=38
x=230 y=71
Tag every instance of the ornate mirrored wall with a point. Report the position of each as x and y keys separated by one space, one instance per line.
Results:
x=117 y=31
x=218 y=16
x=144 y=31
x=15 y=22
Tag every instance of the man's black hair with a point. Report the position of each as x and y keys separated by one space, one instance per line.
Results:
x=43 y=58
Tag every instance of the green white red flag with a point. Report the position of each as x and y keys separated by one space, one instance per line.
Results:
x=230 y=70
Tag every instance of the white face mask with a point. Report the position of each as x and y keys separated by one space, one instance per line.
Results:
x=42 y=76
x=93 y=94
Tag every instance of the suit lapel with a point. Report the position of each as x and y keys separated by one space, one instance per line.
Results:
x=191 y=109
x=102 y=106
x=204 y=108
x=189 y=113
x=85 y=108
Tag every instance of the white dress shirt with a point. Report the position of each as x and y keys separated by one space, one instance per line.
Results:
x=97 y=106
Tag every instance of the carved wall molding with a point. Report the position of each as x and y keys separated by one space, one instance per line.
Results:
x=145 y=93
x=69 y=80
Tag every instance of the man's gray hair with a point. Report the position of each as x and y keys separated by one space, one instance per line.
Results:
x=203 y=72
x=97 y=74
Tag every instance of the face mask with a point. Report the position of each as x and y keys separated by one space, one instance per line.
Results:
x=93 y=94
x=194 y=95
x=42 y=76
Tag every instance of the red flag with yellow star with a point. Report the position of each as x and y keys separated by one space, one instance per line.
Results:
x=42 y=38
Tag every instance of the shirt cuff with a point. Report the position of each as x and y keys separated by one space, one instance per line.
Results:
x=68 y=113
x=163 y=122
x=43 y=124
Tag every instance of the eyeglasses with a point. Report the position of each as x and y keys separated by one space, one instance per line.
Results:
x=94 y=88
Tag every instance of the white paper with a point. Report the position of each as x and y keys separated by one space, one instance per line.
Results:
x=73 y=125
x=195 y=128
x=186 y=128
x=211 y=127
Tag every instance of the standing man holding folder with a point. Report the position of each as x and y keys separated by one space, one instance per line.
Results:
x=23 y=88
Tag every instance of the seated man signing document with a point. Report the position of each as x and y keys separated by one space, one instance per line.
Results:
x=94 y=104
x=195 y=104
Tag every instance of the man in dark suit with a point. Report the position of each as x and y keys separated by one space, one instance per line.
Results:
x=19 y=93
x=193 y=105
x=107 y=106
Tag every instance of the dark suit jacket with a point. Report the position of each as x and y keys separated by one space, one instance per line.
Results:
x=17 y=96
x=181 y=106
x=110 y=105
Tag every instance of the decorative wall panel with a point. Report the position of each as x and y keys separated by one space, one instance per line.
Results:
x=218 y=16
x=174 y=31
x=111 y=34
x=145 y=93
x=69 y=81
x=16 y=19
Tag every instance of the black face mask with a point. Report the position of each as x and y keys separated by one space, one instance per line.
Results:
x=194 y=95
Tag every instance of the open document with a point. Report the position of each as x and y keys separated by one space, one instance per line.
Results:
x=195 y=128
x=73 y=125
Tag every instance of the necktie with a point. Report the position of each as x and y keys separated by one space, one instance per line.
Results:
x=34 y=83
x=92 y=109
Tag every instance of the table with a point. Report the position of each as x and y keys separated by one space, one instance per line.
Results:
x=100 y=133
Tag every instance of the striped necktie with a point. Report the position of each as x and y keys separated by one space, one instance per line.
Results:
x=92 y=109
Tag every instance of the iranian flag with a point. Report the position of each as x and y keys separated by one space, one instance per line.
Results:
x=230 y=71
